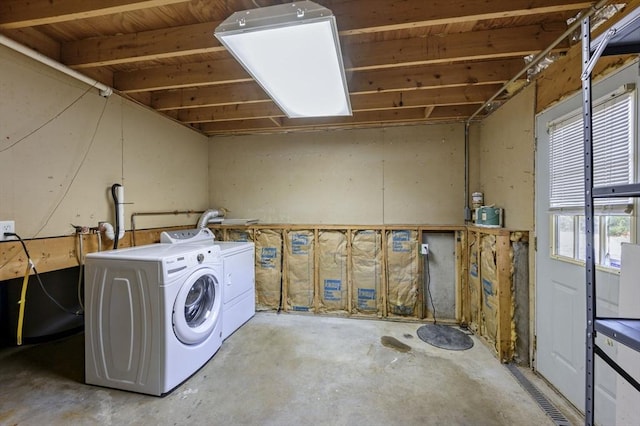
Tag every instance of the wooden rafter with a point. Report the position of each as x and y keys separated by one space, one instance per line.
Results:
x=408 y=61
x=17 y=14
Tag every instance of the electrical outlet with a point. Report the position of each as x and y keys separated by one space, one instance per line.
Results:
x=7 y=226
x=424 y=248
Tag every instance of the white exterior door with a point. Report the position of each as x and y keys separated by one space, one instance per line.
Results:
x=560 y=282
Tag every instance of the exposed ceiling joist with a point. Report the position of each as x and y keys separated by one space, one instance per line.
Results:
x=408 y=61
x=17 y=14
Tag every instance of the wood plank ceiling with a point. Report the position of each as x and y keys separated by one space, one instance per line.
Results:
x=408 y=61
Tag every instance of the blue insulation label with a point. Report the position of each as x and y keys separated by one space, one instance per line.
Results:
x=367 y=299
x=401 y=241
x=268 y=257
x=487 y=288
x=242 y=237
x=300 y=308
x=474 y=270
x=300 y=244
x=332 y=290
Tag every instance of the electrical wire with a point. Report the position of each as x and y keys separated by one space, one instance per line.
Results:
x=55 y=208
x=429 y=292
x=281 y=302
x=75 y=175
x=48 y=121
x=35 y=271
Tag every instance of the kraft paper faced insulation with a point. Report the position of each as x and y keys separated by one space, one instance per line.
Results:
x=300 y=270
x=218 y=235
x=474 y=286
x=366 y=269
x=322 y=271
x=489 y=285
x=268 y=269
x=239 y=235
x=332 y=258
x=402 y=271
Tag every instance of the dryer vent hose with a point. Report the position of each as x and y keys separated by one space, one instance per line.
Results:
x=210 y=214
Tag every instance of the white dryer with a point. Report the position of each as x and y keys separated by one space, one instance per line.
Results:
x=153 y=315
x=239 y=282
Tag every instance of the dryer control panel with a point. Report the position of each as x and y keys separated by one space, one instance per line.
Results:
x=187 y=236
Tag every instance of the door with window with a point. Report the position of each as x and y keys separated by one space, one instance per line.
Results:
x=560 y=272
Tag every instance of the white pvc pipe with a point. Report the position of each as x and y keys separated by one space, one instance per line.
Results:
x=105 y=91
x=108 y=231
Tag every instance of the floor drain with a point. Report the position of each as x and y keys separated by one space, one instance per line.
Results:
x=551 y=411
x=445 y=337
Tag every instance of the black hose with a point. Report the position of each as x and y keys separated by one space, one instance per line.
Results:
x=116 y=237
x=35 y=271
x=429 y=292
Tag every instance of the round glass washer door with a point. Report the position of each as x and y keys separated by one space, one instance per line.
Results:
x=196 y=310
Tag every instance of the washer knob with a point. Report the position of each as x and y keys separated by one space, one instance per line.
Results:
x=200 y=257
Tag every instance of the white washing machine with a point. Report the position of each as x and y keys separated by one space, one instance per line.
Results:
x=239 y=282
x=153 y=315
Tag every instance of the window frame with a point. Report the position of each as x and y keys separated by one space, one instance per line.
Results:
x=603 y=211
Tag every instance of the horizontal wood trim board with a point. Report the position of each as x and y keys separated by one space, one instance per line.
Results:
x=51 y=254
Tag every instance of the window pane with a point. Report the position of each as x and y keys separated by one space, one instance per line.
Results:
x=564 y=236
x=617 y=231
x=582 y=238
x=613 y=124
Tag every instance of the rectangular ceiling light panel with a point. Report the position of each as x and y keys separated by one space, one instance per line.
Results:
x=293 y=52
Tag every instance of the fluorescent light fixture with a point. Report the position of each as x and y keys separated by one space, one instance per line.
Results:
x=293 y=52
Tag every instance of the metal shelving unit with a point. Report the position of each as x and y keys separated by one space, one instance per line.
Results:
x=622 y=38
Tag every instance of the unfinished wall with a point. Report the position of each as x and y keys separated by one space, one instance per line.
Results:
x=62 y=146
x=410 y=174
x=506 y=154
x=439 y=280
x=368 y=271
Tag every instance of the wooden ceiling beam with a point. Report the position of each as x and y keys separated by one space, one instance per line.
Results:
x=442 y=75
x=454 y=112
x=223 y=71
x=423 y=98
x=241 y=126
x=17 y=14
x=365 y=117
x=223 y=94
x=384 y=15
x=198 y=38
x=362 y=102
x=362 y=118
x=143 y=46
x=478 y=45
x=267 y=109
x=36 y=40
x=359 y=82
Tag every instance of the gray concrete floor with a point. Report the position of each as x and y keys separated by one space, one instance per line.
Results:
x=283 y=370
